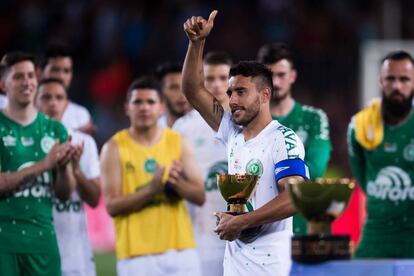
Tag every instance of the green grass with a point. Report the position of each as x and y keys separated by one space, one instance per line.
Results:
x=105 y=264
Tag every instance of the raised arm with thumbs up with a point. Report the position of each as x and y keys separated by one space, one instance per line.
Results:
x=197 y=29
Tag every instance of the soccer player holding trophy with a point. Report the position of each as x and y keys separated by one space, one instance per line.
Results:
x=255 y=145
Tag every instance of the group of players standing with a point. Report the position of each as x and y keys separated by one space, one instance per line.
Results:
x=218 y=119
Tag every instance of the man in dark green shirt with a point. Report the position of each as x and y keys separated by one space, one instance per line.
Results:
x=34 y=166
x=310 y=123
x=381 y=151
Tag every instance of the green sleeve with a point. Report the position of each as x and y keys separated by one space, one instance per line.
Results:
x=1 y=153
x=356 y=155
x=61 y=132
x=318 y=145
x=317 y=155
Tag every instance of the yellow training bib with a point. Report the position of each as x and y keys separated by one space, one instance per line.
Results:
x=369 y=128
x=164 y=224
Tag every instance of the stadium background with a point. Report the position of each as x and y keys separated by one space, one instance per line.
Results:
x=115 y=41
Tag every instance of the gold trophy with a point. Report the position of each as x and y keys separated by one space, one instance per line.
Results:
x=237 y=189
x=320 y=202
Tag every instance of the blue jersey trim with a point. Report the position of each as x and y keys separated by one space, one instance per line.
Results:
x=291 y=167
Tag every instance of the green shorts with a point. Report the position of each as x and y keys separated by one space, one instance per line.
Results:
x=24 y=264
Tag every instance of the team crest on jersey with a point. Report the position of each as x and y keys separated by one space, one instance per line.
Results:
x=9 y=141
x=47 y=143
x=409 y=152
x=150 y=165
x=254 y=167
x=392 y=183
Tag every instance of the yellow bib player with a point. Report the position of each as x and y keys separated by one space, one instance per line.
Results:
x=147 y=173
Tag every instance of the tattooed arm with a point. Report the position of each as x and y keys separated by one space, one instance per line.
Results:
x=197 y=29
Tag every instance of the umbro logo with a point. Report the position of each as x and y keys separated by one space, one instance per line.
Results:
x=9 y=141
x=129 y=167
x=278 y=170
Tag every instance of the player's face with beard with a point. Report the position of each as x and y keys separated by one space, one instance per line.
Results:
x=175 y=100
x=283 y=78
x=244 y=100
x=397 y=83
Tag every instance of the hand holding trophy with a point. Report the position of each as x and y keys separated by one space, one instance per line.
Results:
x=237 y=189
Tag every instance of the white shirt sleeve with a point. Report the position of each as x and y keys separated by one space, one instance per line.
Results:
x=287 y=146
x=3 y=101
x=89 y=162
x=75 y=116
x=226 y=128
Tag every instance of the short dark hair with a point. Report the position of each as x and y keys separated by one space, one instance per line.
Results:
x=167 y=68
x=254 y=69
x=11 y=58
x=275 y=52
x=46 y=81
x=217 y=58
x=398 y=56
x=144 y=82
x=55 y=50
x=51 y=80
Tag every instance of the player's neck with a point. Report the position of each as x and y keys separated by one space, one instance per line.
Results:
x=283 y=107
x=22 y=115
x=146 y=136
x=225 y=104
x=171 y=119
x=393 y=120
x=257 y=125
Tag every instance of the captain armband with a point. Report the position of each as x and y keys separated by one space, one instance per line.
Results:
x=291 y=167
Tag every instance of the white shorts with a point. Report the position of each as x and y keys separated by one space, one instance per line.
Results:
x=172 y=263
x=211 y=251
x=268 y=255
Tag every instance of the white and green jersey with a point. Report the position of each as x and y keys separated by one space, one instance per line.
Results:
x=69 y=216
x=386 y=174
x=312 y=126
x=75 y=116
x=269 y=254
x=211 y=156
x=26 y=213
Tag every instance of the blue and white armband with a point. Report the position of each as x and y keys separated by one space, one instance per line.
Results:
x=291 y=167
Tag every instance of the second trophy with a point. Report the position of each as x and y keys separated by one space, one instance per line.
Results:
x=320 y=202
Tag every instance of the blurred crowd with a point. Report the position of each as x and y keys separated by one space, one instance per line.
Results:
x=114 y=41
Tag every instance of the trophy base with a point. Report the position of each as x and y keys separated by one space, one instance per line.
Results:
x=250 y=234
x=320 y=248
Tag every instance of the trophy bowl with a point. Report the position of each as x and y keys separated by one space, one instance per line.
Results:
x=320 y=202
x=237 y=189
